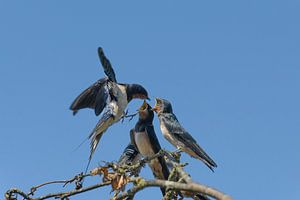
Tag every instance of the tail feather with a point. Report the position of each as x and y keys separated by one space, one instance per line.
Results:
x=204 y=157
x=160 y=172
x=94 y=143
x=165 y=168
x=95 y=136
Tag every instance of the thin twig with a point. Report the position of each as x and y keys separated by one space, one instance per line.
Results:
x=78 y=178
x=61 y=195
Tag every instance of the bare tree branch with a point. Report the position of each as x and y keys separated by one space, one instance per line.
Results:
x=191 y=187
x=118 y=177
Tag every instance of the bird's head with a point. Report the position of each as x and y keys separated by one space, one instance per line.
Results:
x=136 y=91
x=162 y=106
x=145 y=112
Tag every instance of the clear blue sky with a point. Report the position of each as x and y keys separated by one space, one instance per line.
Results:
x=230 y=68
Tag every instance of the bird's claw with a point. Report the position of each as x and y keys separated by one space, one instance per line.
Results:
x=125 y=115
x=131 y=116
x=177 y=154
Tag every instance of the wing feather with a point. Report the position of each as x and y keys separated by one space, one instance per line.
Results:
x=185 y=138
x=108 y=69
x=156 y=148
x=94 y=97
x=129 y=155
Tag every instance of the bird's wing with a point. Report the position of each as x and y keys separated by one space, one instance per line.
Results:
x=94 y=97
x=108 y=70
x=184 y=137
x=153 y=138
x=132 y=138
x=102 y=98
x=156 y=148
x=129 y=155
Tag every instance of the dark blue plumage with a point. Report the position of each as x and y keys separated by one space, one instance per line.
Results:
x=87 y=99
x=108 y=70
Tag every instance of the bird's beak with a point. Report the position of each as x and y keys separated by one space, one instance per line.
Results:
x=156 y=107
x=144 y=106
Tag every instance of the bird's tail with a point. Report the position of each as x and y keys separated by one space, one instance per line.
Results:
x=165 y=168
x=160 y=170
x=209 y=163
x=94 y=143
x=204 y=157
x=103 y=124
x=165 y=171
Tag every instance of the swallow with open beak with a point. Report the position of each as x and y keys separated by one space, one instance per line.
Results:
x=108 y=97
x=145 y=140
x=177 y=135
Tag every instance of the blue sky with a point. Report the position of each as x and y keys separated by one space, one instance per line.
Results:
x=230 y=68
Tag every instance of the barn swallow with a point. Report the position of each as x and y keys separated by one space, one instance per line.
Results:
x=145 y=140
x=177 y=135
x=108 y=97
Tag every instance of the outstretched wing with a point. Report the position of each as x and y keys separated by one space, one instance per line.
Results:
x=108 y=70
x=94 y=97
x=185 y=138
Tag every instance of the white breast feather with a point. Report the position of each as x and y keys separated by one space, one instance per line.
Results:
x=167 y=134
x=143 y=144
x=122 y=100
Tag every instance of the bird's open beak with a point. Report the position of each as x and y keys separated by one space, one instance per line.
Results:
x=144 y=106
x=156 y=107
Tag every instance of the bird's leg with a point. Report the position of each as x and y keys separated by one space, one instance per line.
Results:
x=125 y=115
x=177 y=154
x=169 y=155
x=179 y=150
x=131 y=116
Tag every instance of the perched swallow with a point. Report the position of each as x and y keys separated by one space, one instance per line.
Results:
x=177 y=135
x=108 y=97
x=145 y=140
